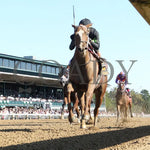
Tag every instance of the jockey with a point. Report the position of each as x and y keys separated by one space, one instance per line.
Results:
x=93 y=35
x=121 y=77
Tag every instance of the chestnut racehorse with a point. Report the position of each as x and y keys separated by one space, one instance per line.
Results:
x=123 y=101
x=84 y=75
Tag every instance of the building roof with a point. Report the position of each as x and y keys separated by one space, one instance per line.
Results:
x=143 y=7
x=47 y=62
x=13 y=74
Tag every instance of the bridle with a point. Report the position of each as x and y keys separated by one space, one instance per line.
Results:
x=120 y=87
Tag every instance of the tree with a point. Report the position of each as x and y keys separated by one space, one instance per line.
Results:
x=110 y=100
x=137 y=101
x=146 y=97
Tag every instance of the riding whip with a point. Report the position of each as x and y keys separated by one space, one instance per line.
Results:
x=73 y=15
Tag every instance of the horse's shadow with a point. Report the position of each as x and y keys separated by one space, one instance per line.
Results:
x=16 y=130
x=94 y=141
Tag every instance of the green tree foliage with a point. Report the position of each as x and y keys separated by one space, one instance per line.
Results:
x=146 y=104
x=110 y=100
x=137 y=102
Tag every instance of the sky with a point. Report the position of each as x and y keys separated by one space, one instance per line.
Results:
x=42 y=28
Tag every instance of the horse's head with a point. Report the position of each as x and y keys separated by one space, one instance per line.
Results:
x=81 y=37
x=63 y=78
x=121 y=87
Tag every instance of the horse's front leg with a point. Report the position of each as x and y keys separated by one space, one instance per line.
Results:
x=76 y=106
x=88 y=97
x=63 y=106
x=130 y=108
x=118 y=112
x=81 y=96
x=130 y=111
x=125 y=113
x=71 y=116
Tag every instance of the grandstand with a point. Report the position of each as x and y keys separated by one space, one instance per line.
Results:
x=24 y=77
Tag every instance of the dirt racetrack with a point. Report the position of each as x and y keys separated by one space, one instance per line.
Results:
x=56 y=134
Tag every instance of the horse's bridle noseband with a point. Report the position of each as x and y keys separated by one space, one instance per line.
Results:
x=86 y=48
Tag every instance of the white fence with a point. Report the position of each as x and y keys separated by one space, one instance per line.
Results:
x=30 y=116
x=55 y=116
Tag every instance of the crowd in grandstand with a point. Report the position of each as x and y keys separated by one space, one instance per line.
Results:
x=22 y=110
x=29 y=113
x=11 y=98
x=4 y=111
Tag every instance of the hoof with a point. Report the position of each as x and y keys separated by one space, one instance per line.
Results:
x=78 y=121
x=71 y=119
x=86 y=117
x=83 y=125
x=90 y=121
x=62 y=117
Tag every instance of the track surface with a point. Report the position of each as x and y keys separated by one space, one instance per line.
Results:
x=56 y=134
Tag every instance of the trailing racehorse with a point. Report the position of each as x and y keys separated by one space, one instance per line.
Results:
x=123 y=101
x=68 y=90
x=85 y=74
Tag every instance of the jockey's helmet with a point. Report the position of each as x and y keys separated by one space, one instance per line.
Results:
x=122 y=73
x=85 y=21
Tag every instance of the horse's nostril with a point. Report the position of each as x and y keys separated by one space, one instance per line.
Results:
x=80 y=49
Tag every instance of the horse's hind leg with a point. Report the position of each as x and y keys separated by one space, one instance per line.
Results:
x=75 y=106
x=130 y=108
x=125 y=113
x=99 y=99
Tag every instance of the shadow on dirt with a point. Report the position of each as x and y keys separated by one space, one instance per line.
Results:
x=16 y=130
x=87 y=141
x=4 y=125
x=29 y=124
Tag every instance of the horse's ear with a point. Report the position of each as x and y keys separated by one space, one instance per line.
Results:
x=89 y=25
x=74 y=26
